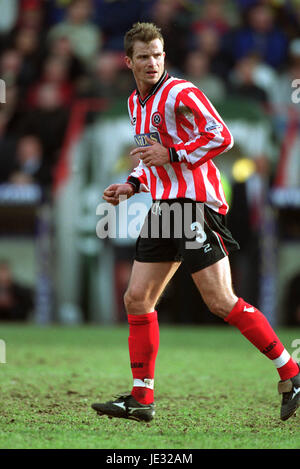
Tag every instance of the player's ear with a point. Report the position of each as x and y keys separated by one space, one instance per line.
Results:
x=128 y=62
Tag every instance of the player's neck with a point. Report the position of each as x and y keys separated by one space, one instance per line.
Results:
x=145 y=89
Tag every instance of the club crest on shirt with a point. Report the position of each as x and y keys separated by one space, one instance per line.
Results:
x=157 y=119
x=141 y=141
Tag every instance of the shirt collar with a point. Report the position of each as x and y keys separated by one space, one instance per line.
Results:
x=165 y=76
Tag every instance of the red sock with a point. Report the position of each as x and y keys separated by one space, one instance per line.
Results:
x=256 y=328
x=143 y=342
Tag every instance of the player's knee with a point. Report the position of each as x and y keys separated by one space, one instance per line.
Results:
x=215 y=308
x=135 y=302
x=219 y=307
x=128 y=300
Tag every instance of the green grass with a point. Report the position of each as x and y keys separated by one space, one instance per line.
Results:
x=213 y=390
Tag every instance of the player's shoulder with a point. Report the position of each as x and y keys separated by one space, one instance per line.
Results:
x=179 y=85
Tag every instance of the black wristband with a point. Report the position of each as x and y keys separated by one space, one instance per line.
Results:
x=134 y=182
x=174 y=158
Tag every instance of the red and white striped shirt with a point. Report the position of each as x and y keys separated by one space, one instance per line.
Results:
x=179 y=116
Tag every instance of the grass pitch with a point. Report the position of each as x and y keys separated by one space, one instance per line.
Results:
x=213 y=390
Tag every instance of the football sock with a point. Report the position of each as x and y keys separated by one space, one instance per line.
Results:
x=143 y=342
x=256 y=328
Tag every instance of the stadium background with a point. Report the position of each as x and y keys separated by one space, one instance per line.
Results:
x=65 y=135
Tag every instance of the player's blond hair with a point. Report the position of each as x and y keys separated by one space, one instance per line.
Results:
x=145 y=32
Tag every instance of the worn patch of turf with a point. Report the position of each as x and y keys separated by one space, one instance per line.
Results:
x=213 y=390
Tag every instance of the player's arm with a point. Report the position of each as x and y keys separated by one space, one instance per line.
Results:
x=201 y=133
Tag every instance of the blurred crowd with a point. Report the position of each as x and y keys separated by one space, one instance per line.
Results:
x=56 y=52
x=53 y=52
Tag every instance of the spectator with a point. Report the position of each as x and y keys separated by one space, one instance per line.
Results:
x=32 y=15
x=56 y=11
x=173 y=19
x=264 y=76
x=54 y=89
x=30 y=164
x=208 y=40
x=242 y=81
x=11 y=62
x=28 y=44
x=84 y=36
x=288 y=17
x=116 y=17
x=16 y=300
x=260 y=35
x=45 y=111
x=48 y=122
x=197 y=70
x=27 y=41
x=62 y=48
x=105 y=79
x=212 y=15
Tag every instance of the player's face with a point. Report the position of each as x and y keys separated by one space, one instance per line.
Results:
x=147 y=64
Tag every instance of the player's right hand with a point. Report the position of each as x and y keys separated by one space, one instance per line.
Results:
x=115 y=193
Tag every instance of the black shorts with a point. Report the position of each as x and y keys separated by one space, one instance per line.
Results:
x=186 y=231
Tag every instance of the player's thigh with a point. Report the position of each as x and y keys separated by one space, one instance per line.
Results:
x=147 y=282
x=215 y=285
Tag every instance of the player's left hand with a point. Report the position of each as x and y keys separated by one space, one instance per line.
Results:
x=153 y=155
